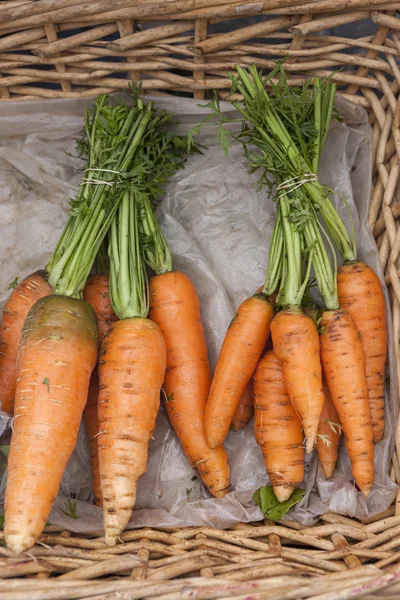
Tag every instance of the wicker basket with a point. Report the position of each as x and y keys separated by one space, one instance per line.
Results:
x=79 y=48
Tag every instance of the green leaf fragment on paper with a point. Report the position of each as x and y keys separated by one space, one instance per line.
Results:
x=13 y=284
x=265 y=498
x=70 y=510
x=188 y=492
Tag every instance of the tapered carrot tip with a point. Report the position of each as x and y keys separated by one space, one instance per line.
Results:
x=328 y=469
x=310 y=443
x=19 y=542
x=282 y=492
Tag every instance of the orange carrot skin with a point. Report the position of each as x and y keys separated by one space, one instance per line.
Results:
x=327 y=454
x=240 y=352
x=96 y=293
x=343 y=361
x=361 y=294
x=244 y=411
x=175 y=307
x=131 y=370
x=277 y=428
x=15 y=311
x=57 y=355
x=296 y=345
x=92 y=425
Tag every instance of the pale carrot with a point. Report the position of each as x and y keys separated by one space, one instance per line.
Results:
x=361 y=294
x=342 y=357
x=277 y=428
x=329 y=434
x=21 y=300
x=57 y=355
x=240 y=352
x=296 y=345
x=244 y=410
x=175 y=307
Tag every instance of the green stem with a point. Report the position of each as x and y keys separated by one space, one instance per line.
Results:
x=275 y=257
x=128 y=277
x=70 y=264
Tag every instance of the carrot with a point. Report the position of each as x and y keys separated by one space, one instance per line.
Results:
x=361 y=294
x=175 y=307
x=96 y=294
x=57 y=355
x=296 y=346
x=343 y=361
x=244 y=411
x=277 y=428
x=240 y=352
x=329 y=434
x=131 y=371
x=22 y=298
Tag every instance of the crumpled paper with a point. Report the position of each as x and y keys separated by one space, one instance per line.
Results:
x=218 y=228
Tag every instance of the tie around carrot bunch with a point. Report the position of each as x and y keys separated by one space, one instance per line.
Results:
x=342 y=386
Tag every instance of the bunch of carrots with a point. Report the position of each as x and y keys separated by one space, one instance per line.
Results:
x=326 y=369
x=104 y=345
x=109 y=345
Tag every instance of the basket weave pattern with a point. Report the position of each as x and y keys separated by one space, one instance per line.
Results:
x=176 y=46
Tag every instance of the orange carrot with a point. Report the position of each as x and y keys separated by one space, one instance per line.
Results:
x=131 y=371
x=342 y=357
x=244 y=411
x=277 y=428
x=296 y=345
x=96 y=294
x=329 y=434
x=361 y=294
x=57 y=355
x=22 y=298
x=240 y=352
x=175 y=307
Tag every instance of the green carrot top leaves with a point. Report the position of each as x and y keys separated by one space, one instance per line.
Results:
x=283 y=132
x=113 y=134
x=265 y=498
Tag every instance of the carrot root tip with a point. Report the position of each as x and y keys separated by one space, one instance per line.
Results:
x=19 y=542
x=310 y=444
x=282 y=492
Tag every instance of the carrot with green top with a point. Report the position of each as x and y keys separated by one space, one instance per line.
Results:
x=175 y=307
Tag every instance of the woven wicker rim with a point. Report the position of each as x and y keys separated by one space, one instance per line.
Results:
x=290 y=561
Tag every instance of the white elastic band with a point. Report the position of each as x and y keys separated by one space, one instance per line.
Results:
x=295 y=182
x=100 y=181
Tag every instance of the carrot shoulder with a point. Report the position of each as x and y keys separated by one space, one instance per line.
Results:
x=277 y=428
x=329 y=434
x=296 y=345
x=58 y=353
x=343 y=361
x=175 y=307
x=240 y=352
x=361 y=294
x=15 y=311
